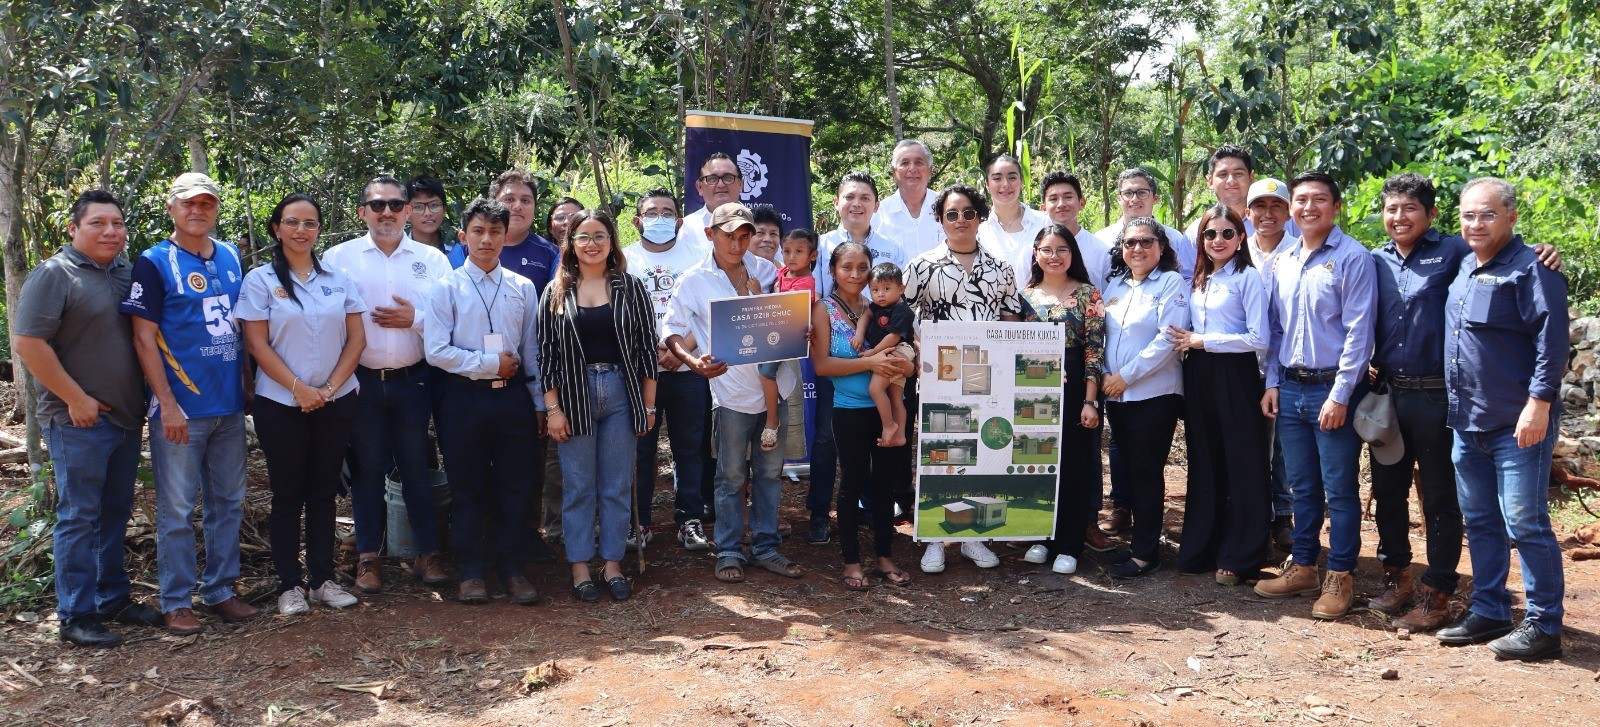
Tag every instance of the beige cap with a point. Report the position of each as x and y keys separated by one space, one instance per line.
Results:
x=1267 y=187
x=732 y=216
x=193 y=184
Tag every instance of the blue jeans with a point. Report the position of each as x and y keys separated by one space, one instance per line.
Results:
x=738 y=452
x=391 y=432
x=211 y=468
x=685 y=398
x=95 y=468
x=595 y=471
x=824 y=454
x=1503 y=490
x=1322 y=466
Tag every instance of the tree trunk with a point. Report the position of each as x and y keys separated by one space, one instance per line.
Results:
x=590 y=139
x=197 y=155
x=13 y=164
x=888 y=68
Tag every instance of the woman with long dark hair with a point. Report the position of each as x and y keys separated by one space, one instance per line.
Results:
x=878 y=472
x=597 y=358
x=1059 y=291
x=1143 y=380
x=1228 y=508
x=302 y=323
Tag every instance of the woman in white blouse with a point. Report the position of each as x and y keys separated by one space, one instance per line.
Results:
x=1143 y=380
x=1009 y=232
x=1228 y=510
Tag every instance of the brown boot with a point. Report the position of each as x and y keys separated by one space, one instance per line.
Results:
x=1118 y=520
x=474 y=591
x=1432 y=611
x=181 y=621
x=1336 y=595
x=234 y=610
x=1096 y=541
x=1296 y=580
x=369 y=573
x=1398 y=590
x=429 y=570
x=522 y=591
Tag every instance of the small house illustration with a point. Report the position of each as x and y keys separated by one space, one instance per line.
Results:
x=975 y=512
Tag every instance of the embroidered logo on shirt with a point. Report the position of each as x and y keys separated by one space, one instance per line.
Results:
x=197 y=282
x=279 y=292
x=1329 y=266
x=136 y=292
x=1431 y=261
x=419 y=270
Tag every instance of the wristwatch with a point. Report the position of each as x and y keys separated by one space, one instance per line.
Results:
x=1093 y=402
x=649 y=410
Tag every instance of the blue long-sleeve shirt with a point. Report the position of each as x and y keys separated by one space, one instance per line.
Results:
x=1138 y=312
x=1508 y=339
x=1321 y=311
x=1411 y=297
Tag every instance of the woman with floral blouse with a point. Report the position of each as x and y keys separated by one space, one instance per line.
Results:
x=1058 y=291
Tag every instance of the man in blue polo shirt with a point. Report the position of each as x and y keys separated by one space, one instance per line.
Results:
x=529 y=254
x=1321 y=294
x=1504 y=356
x=189 y=348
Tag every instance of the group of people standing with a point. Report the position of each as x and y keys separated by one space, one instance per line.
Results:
x=546 y=370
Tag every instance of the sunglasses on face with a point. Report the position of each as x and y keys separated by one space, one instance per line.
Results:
x=1227 y=234
x=1139 y=243
x=966 y=214
x=377 y=205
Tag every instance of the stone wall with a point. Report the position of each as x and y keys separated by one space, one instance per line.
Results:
x=1580 y=426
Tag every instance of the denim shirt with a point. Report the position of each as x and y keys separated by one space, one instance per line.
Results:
x=1321 y=311
x=1508 y=339
x=1411 y=296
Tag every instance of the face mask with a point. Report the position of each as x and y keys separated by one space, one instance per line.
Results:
x=661 y=230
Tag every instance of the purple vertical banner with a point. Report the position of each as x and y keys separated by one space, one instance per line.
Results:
x=774 y=157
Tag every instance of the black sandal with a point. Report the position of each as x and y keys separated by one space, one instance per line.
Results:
x=587 y=592
x=728 y=562
x=855 y=583
x=889 y=577
x=620 y=588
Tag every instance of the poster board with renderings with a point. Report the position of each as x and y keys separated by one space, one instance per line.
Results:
x=987 y=454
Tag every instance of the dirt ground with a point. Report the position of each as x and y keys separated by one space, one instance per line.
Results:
x=1010 y=645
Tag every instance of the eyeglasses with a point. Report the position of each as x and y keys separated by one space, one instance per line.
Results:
x=1054 y=251
x=429 y=208
x=377 y=205
x=586 y=239
x=294 y=224
x=211 y=270
x=966 y=214
x=1139 y=243
x=1133 y=194
x=1227 y=234
x=560 y=217
x=663 y=215
x=1473 y=218
x=714 y=180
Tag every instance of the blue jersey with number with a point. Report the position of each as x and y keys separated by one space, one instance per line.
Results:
x=191 y=298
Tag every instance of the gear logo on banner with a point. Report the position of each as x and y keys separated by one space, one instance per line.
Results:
x=754 y=172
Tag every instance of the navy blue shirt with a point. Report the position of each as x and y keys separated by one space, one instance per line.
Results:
x=1411 y=296
x=1507 y=325
x=535 y=258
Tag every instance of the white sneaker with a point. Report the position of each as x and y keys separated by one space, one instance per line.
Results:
x=693 y=536
x=1036 y=554
x=293 y=602
x=979 y=554
x=330 y=594
x=933 y=558
x=1065 y=564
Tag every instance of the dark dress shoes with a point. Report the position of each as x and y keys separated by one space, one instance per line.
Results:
x=620 y=588
x=1130 y=569
x=88 y=631
x=1527 y=642
x=1473 y=629
x=138 y=614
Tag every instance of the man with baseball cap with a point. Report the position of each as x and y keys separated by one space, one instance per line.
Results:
x=1267 y=212
x=181 y=300
x=738 y=407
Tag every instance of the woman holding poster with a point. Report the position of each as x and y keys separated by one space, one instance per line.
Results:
x=1059 y=291
x=1144 y=380
x=856 y=424
x=1228 y=510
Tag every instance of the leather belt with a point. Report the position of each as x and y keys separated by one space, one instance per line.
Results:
x=1311 y=376
x=490 y=383
x=419 y=368
x=1416 y=382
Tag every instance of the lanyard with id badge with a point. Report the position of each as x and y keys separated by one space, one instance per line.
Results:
x=494 y=343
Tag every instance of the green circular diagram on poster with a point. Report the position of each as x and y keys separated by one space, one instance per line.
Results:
x=996 y=433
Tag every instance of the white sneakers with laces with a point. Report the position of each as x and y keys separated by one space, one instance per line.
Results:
x=980 y=555
x=293 y=602
x=331 y=595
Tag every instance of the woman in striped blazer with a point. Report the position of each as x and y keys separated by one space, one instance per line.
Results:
x=598 y=361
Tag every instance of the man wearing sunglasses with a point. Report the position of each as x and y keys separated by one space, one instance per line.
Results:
x=720 y=182
x=189 y=348
x=395 y=275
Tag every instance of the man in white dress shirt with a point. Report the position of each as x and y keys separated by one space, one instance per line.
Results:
x=856 y=202
x=720 y=182
x=907 y=215
x=395 y=273
x=1063 y=200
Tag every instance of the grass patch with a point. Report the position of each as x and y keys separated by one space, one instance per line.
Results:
x=1023 y=519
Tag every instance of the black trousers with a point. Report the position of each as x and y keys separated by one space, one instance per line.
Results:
x=866 y=469
x=488 y=441
x=1143 y=431
x=1229 y=503
x=305 y=460
x=1078 y=486
x=1421 y=414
